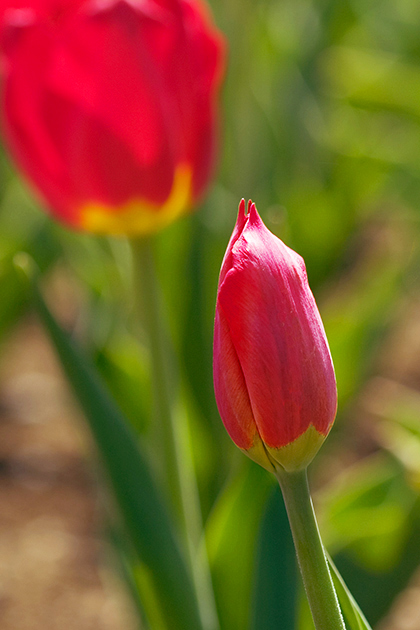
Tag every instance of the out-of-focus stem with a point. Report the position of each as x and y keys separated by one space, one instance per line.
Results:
x=161 y=366
x=172 y=428
x=313 y=563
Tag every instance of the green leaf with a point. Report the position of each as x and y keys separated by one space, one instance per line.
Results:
x=353 y=616
x=231 y=534
x=12 y=298
x=126 y=564
x=276 y=586
x=141 y=507
x=377 y=554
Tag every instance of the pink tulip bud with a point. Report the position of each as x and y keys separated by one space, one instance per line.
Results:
x=273 y=373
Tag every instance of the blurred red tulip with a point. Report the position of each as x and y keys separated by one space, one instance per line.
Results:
x=274 y=378
x=109 y=106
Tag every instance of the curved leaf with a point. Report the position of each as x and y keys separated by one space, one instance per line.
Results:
x=353 y=616
x=141 y=507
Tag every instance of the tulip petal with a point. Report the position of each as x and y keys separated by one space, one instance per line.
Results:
x=232 y=399
x=230 y=388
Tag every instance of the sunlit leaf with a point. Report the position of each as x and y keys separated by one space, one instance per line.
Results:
x=354 y=617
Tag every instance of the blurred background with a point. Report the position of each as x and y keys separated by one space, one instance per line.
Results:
x=321 y=128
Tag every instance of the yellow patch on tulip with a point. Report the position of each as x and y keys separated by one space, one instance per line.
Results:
x=299 y=453
x=258 y=454
x=139 y=217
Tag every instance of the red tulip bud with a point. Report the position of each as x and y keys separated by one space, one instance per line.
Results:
x=273 y=374
x=109 y=106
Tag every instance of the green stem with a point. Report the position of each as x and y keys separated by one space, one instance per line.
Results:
x=161 y=366
x=313 y=563
x=172 y=430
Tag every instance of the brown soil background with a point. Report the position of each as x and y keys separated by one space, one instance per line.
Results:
x=56 y=570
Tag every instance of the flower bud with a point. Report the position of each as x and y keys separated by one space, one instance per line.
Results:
x=109 y=107
x=273 y=374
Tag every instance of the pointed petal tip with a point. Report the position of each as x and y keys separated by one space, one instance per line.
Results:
x=253 y=216
x=241 y=219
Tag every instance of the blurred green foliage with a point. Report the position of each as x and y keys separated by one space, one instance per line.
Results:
x=321 y=127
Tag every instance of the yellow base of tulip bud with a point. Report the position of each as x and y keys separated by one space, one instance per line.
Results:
x=139 y=217
x=258 y=454
x=298 y=454
x=293 y=457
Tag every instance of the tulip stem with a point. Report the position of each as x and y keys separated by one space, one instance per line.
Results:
x=310 y=552
x=172 y=429
x=161 y=366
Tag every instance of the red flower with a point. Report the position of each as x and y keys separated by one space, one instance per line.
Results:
x=109 y=106
x=273 y=373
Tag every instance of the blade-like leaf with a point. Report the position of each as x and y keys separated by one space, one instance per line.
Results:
x=126 y=562
x=231 y=534
x=12 y=298
x=276 y=587
x=354 y=617
x=141 y=507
